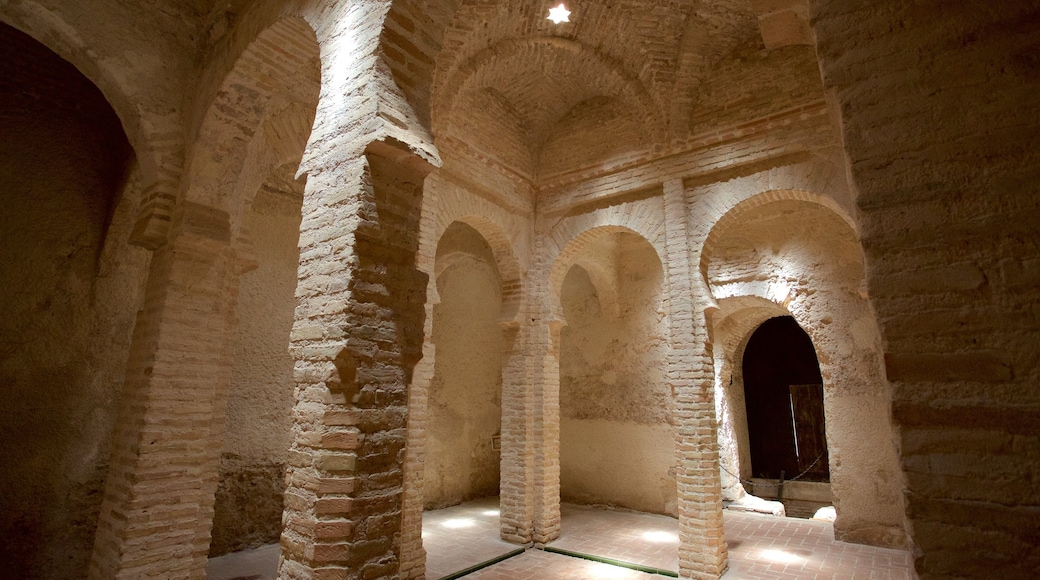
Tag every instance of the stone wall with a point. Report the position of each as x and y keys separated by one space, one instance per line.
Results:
x=939 y=117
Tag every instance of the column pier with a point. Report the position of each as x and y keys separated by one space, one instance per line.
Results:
x=702 y=548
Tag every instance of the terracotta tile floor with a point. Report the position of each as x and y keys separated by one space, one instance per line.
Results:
x=539 y=565
x=760 y=547
x=637 y=538
x=460 y=536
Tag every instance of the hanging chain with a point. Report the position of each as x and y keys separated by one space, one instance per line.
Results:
x=795 y=478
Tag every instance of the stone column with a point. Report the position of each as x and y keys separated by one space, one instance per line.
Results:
x=357 y=337
x=157 y=511
x=702 y=549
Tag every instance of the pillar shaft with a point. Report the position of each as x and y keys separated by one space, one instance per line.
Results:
x=515 y=502
x=702 y=549
x=157 y=511
x=357 y=337
x=543 y=353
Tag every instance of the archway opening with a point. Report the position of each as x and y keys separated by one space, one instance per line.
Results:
x=617 y=434
x=464 y=416
x=248 y=505
x=70 y=286
x=265 y=194
x=783 y=390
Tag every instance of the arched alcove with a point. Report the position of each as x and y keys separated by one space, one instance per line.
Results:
x=248 y=506
x=783 y=391
x=70 y=287
x=616 y=430
x=798 y=257
x=465 y=396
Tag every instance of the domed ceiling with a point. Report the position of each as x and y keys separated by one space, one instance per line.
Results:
x=542 y=98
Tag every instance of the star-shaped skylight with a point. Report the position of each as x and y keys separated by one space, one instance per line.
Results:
x=559 y=14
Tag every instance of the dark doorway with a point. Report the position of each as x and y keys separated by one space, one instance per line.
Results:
x=784 y=393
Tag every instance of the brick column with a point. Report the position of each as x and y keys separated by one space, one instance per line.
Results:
x=356 y=340
x=515 y=506
x=413 y=554
x=157 y=511
x=543 y=352
x=702 y=549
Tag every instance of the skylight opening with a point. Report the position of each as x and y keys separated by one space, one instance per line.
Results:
x=559 y=14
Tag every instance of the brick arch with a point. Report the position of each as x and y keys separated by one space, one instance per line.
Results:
x=732 y=327
x=505 y=260
x=740 y=316
x=735 y=214
x=276 y=147
x=466 y=74
x=235 y=116
x=571 y=254
x=571 y=235
x=280 y=140
x=604 y=278
x=412 y=36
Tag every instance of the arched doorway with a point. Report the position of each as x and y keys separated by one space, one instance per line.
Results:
x=784 y=397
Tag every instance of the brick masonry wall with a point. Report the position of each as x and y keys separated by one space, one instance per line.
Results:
x=925 y=95
x=939 y=119
x=192 y=292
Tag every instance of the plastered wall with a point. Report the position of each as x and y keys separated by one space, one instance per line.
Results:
x=69 y=294
x=465 y=405
x=616 y=430
x=248 y=508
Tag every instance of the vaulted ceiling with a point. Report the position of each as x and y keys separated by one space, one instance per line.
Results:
x=638 y=58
